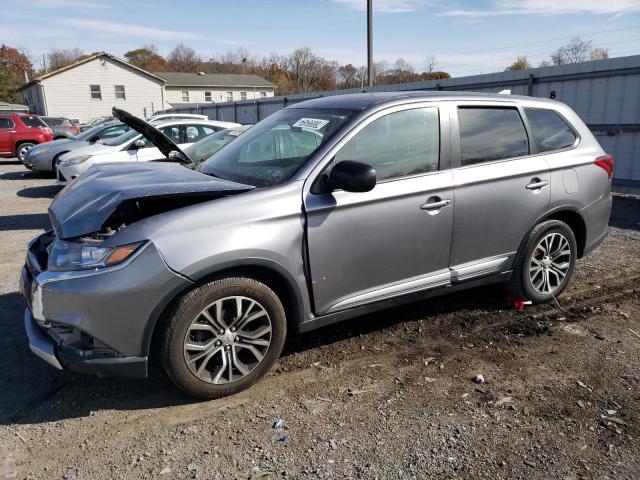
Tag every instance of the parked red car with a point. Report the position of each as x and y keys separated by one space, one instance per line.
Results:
x=19 y=131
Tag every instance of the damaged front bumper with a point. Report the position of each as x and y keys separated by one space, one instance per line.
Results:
x=97 y=321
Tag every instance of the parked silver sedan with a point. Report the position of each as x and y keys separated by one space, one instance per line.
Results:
x=44 y=157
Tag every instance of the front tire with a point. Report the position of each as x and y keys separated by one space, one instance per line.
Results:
x=545 y=262
x=21 y=150
x=222 y=337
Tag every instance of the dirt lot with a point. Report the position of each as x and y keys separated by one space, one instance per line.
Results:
x=383 y=396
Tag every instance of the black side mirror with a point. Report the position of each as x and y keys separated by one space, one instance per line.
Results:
x=352 y=176
x=94 y=139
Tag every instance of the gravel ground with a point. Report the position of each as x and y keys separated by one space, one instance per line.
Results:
x=383 y=396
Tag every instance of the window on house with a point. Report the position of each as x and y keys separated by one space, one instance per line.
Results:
x=243 y=95
x=207 y=96
x=185 y=95
x=488 y=133
x=120 y=95
x=263 y=94
x=229 y=96
x=96 y=93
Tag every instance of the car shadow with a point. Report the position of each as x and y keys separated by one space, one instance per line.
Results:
x=25 y=221
x=46 y=191
x=625 y=213
x=32 y=383
x=10 y=161
x=24 y=175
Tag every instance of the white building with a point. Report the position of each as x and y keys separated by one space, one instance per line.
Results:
x=202 y=88
x=90 y=87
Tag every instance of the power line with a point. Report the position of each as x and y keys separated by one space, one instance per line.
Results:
x=554 y=39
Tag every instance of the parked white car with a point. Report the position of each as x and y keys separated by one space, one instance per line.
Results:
x=135 y=147
x=164 y=117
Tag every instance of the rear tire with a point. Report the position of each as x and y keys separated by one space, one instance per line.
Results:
x=222 y=337
x=545 y=262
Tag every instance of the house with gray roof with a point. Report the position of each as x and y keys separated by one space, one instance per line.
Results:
x=201 y=88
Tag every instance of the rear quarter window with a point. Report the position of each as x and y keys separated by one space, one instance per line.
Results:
x=33 y=122
x=491 y=133
x=6 y=122
x=550 y=131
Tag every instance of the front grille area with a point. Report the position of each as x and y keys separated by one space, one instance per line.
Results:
x=38 y=254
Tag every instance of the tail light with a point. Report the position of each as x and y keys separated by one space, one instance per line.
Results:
x=606 y=162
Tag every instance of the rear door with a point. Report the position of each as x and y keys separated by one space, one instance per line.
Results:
x=396 y=238
x=6 y=129
x=502 y=186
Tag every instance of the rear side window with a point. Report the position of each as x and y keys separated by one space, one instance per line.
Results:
x=488 y=134
x=398 y=145
x=550 y=131
x=6 y=122
x=33 y=122
x=53 y=122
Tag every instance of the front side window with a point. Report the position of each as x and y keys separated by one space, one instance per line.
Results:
x=550 y=131
x=96 y=92
x=113 y=132
x=270 y=152
x=6 y=122
x=207 y=96
x=398 y=144
x=491 y=133
x=120 y=95
x=185 y=95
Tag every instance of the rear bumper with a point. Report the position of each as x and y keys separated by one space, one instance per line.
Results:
x=596 y=217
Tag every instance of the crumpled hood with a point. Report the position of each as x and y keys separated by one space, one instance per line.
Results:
x=86 y=203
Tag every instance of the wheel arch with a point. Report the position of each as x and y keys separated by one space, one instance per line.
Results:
x=266 y=271
x=576 y=223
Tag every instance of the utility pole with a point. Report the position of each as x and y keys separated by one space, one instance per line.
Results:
x=370 y=41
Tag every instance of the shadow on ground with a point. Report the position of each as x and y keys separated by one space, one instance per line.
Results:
x=46 y=191
x=32 y=383
x=24 y=175
x=625 y=213
x=27 y=221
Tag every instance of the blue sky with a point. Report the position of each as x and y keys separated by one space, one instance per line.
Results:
x=466 y=37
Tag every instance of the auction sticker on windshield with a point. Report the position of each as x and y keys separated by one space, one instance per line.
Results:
x=312 y=123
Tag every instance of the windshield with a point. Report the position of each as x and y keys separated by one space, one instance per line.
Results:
x=206 y=147
x=270 y=152
x=119 y=140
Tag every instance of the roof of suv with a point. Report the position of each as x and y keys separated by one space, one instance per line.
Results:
x=361 y=101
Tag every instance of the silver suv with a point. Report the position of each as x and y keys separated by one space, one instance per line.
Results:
x=325 y=210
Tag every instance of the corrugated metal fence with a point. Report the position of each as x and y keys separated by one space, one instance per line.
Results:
x=605 y=93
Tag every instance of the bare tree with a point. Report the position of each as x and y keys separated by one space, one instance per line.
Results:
x=430 y=64
x=577 y=50
x=183 y=59
x=58 y=58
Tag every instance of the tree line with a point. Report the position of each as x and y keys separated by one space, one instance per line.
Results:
x=300 y=71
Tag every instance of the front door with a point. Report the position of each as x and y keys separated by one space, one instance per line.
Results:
x=502 y=186
x=395 y=239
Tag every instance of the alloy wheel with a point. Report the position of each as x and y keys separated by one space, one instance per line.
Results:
x=227 y=340
x=550 y=263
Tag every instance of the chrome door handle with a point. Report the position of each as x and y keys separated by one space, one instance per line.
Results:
x=435 y=205
x=536 y=183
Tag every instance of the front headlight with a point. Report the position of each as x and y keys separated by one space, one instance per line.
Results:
x=76 y=160
x=66 y=256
